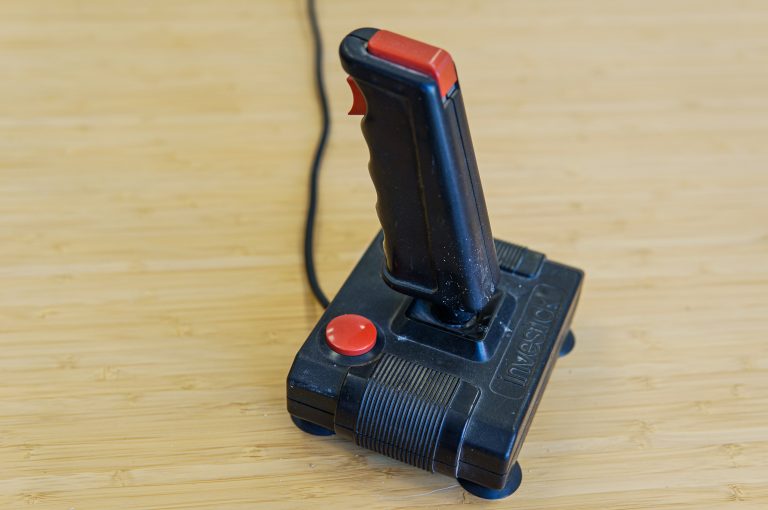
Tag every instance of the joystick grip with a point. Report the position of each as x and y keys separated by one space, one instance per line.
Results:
x=437 y=237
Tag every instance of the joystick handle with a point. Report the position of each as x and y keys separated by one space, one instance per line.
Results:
x=437 y=237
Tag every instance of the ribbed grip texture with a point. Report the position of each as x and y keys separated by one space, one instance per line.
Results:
x=508 y=254
x=402 y=410
x=518 y=259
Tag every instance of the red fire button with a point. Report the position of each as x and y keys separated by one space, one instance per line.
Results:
x=350 y=334
x=415 y=55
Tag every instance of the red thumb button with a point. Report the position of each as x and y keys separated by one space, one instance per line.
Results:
x=350 y=335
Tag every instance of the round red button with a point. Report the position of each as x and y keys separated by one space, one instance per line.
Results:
x=350 y=334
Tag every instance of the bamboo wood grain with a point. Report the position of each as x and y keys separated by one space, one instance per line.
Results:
x=153 y=170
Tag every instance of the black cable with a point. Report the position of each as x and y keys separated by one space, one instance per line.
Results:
x=309 y=227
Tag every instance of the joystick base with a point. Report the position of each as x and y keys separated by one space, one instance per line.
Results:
x=456 y=400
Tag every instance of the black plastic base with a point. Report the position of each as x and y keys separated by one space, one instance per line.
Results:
x=311 y=428
x=514 y=481
x=456 y=400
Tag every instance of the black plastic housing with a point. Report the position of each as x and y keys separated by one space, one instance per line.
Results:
x=468 y=328
x=440 y=398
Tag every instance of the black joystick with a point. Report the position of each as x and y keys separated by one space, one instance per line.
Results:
x=438 y=347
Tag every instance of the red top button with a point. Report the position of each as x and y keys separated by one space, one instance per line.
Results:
x=350 y=335
x=415 y=55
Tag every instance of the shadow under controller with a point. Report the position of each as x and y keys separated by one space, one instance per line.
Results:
x=437 y=349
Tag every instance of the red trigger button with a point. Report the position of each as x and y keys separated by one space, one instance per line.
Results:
x=359 y=106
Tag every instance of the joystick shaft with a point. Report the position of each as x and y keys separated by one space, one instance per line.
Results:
x=437 y=237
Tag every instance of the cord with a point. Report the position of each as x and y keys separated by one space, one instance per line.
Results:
x=314 y=171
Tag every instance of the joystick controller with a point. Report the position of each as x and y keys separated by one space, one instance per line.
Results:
x=437 y=348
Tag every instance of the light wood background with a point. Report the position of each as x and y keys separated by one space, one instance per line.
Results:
x=153 y=169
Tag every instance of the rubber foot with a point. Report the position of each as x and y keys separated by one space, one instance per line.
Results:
x=513 y=482
x=568 y=344
x=311 y=428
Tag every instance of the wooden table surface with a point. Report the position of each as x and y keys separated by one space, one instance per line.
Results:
x=153 y=164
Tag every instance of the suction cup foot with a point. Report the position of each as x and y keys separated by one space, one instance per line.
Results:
x=311 y=428
x=515 y=478
x=568 y=344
